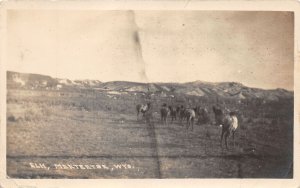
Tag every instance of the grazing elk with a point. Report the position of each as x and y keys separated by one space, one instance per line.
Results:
x=201 y=115
x=182 y=113
x=190 y=117
x=229 y=124
x=148 y=116
x=142 y=108
x=164 y=112
x=187 y=114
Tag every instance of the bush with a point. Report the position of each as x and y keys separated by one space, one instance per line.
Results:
x=11 y=118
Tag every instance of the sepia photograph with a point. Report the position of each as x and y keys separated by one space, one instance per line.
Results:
x=149 y=94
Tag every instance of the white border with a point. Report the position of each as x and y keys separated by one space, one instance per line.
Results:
x=150 y=5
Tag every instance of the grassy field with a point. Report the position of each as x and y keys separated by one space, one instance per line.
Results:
x=59 y=130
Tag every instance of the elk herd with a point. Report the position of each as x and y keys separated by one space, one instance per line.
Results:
x=228 y=121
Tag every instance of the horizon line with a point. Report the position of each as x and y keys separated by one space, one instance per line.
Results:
x=209 y=82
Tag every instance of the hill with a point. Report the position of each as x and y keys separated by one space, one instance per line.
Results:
x=230 y=90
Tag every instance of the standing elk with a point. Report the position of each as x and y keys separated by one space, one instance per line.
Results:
x=201 y=115
x=173 y=113
x=164 y=112
x=229 y=124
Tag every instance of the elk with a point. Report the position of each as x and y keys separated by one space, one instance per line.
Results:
x=228 y=122
x=164 y=112
x=142 y=108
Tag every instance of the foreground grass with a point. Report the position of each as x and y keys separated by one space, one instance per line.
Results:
x=51 y=129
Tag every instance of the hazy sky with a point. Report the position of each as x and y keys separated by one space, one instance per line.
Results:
x=254 y=48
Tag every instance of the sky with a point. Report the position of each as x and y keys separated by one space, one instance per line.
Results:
x=253 y=48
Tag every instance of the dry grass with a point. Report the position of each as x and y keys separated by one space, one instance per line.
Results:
x=92 y=128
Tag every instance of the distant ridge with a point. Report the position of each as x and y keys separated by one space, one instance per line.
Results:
x=198 y=88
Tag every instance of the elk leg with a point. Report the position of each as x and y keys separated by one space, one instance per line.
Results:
x=226 y=136
x=187 y=124
x=233 y=139
x=192 y=124
x=222 y=134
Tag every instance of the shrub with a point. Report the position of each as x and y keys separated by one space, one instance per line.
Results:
x=11 y=118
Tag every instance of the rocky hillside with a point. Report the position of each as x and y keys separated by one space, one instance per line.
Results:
x=196 y=88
